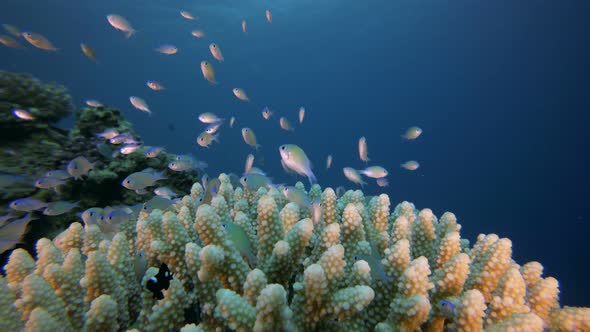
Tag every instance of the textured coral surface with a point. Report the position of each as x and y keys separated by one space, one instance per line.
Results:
x=361 y=267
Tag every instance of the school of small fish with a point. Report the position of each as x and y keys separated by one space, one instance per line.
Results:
x=293 y=158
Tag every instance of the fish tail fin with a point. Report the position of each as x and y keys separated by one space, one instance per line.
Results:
x=57 y=189
x=130 y=33
x=311 y=177
x=160 y=175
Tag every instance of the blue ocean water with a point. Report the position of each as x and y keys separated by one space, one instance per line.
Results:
x=500 y=89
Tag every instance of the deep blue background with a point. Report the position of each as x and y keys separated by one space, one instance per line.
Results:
x=500 y=88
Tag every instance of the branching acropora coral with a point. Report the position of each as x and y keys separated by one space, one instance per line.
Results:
x=362 y=267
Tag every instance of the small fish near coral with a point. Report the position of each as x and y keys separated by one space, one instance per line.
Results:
x=159 y=282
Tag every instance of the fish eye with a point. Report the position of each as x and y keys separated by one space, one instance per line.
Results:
x=128 y=181
x=283 y=147
x=91 y=214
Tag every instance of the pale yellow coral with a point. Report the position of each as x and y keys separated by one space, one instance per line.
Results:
x=302 y=281
x=570 y=319
x=518 y=322
x=490 y=262
x=289 y=216
x=102 y=315
x=470 y=312
x=41 y=321
x=273 y=313
x=543 y=297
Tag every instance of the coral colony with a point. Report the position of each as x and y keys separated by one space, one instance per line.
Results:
x=359 y=267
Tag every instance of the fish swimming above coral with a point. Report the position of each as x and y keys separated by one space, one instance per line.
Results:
x=295 y=159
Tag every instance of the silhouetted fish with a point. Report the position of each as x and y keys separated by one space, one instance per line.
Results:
x=160 y=281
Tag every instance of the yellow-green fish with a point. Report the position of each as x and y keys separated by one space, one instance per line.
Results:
x=254 y=181
x=167 y=49
x=301 y=114
x=140 y=104
x=187 y=15
x=154 y=85
x=88 y=52
x=374 y=262
x=59 y=207
x=266 y=113
x=79 y=167
x=209 y=117
x=295 y=159
x=363 y=152
x=11 y=234
x=412 y=133
x=208 y=72
x=94 y=103
x=117 y=216
x=211 y=190
x=285 y=124
x=240 y=240
x=157 y=203
x=249 y=163
x=297 y=196
x=92 y=216
x=153 y=151
x=198 y=33
x=27 y=204
x=240 y=94
x=216 y=52
x=11 y=29
x=411 y=165
x=165 y=192
x=140 y=180
x=39 y=41
x=120 y=23
x=375 y=172
x=353 y=175
x=48 y=183
x=250 y=137
x=9 y=42
x=205 y=139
